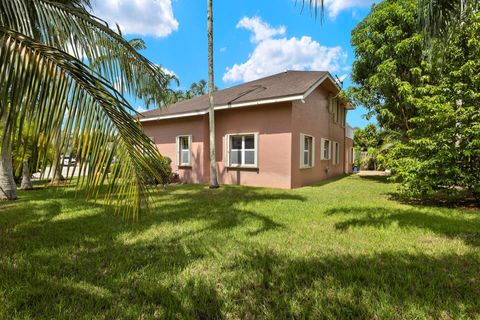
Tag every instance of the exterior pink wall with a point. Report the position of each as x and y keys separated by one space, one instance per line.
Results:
x=164 y=133
x=278 y=126
x=273 y=124
x=313 y=118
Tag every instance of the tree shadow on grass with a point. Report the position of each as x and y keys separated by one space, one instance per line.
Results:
x=463 y=227
x=379 y=179
x=387 y=285
x=63 y=256
x=112 y=283
x=222 y=208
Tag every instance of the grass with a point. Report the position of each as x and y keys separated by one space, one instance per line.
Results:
x=341 y=249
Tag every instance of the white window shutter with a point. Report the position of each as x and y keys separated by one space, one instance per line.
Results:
x=313 y=152
x=322 y=149
x=256 y=148
x=177 y=153
x=227 y=150
x=333 y=152
x=336 y=152
x=190 y=138
x=302 y=149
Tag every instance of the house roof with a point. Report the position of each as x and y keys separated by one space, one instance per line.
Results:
x=285 y=86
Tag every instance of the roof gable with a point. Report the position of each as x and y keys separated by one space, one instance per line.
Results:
x=285 y=86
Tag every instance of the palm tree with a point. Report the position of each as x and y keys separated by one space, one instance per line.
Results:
x=437 y=17
x=40 y=81
x=197 y=88
x=211 y=88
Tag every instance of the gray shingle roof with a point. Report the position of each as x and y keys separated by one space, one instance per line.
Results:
x=285 y=84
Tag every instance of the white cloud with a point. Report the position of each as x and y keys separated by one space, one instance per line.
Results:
x=140 y=109
x=168 y=72
x=260 y=29
x=334 y=7
x=142 y=17
x=272 y=55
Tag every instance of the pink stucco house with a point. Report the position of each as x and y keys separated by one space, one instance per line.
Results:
x=284 y=131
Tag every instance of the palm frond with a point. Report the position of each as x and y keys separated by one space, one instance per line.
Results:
x=437 y=17
x=316 y=7
x=60 y=99
x=72 y=29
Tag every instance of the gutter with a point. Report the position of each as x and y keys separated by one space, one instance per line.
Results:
x=224 y=107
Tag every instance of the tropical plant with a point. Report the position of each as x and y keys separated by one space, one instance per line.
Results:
x=40 y=81
x=371 y=145
x=196 y=89
x=438 y=18
x=435 y=18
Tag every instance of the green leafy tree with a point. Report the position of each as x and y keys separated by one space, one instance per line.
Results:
x=388 y=63
x=442 y=151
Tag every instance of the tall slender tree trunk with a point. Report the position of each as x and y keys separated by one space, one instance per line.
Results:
x=26 y=180
x=211 y=88
x=8 y=188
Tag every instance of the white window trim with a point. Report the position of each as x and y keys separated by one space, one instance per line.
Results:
x=302 y=153
x=178 y=146
x=227 y=151
x=322 y=149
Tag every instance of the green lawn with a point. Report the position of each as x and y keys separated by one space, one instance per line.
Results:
x=342 y=249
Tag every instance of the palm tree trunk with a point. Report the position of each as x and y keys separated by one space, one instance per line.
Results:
x=211 y=88
x=26 y=181
x=8 y=188
x=56 y=171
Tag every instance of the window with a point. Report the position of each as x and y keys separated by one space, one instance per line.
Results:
x=242 y=150
x=337 y=112
x=326 y=151
x=307 y=151
x=343 y=116
x=333 y=104
x=336 y=153
x=184 y=150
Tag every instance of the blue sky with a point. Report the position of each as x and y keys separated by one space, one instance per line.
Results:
x=253 y=38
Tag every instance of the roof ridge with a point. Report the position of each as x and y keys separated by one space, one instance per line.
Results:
x=274 y=86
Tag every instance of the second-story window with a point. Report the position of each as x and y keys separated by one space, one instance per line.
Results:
x=336 y=153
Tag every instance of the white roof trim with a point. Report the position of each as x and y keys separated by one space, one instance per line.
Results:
x=223 y=107
x=247 y=104
x=172 y=116
x=257 y=102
